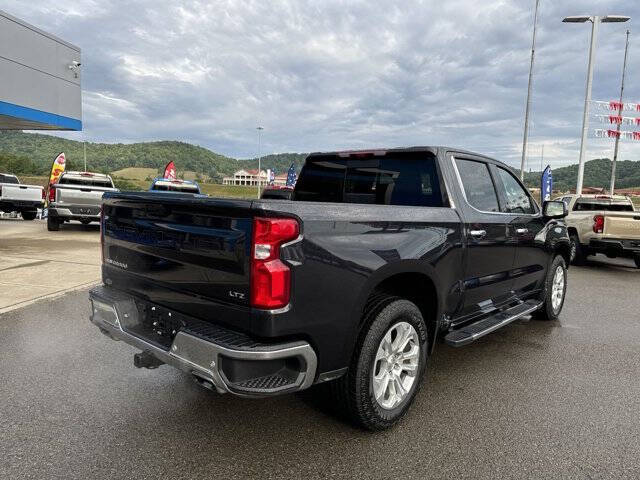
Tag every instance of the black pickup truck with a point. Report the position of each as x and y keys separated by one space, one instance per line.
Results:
x=377 y=254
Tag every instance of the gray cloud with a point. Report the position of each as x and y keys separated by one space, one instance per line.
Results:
x=322 y=75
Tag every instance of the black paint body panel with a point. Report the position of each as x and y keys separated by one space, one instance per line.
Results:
x=191 y=254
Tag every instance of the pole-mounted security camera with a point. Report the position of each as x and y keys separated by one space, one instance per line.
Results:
x=75 y=67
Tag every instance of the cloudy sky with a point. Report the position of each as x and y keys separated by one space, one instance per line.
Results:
x=326 y=74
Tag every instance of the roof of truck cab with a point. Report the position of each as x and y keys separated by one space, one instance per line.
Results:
x=435 y=149
x=177 y=181
x=598 y=196
x=85 y=174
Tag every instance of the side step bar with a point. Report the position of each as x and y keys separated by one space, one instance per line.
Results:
x=474 y=331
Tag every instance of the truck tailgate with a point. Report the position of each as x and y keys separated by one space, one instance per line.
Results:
x=78 y=195
x=198 y=248
x=622 y=225
x=22 y=192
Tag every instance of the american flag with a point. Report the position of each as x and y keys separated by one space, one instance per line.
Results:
x=292 y=176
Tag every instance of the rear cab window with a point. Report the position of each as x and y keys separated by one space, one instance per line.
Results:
x=595 y=204
x=184 y=188
x=393 y=178
x=86 y=181
x=9 y=179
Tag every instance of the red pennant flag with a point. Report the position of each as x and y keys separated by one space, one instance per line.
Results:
x=616 y=106
x=636 y=135
x=170 y=171
x=613 y=133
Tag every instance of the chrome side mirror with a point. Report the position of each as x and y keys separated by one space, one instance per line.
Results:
x=554 y=209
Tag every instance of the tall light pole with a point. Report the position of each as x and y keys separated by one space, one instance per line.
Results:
x=528 y=107
x=259 y=129
x=595 y=21
x=615 y=148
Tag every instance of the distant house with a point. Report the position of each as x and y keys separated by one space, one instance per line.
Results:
x=250 y=177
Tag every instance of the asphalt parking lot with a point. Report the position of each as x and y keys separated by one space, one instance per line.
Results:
x=533 y=400
x=36 y=263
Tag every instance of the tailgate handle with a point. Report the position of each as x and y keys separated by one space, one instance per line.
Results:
x=23 y=188
x=85 y=189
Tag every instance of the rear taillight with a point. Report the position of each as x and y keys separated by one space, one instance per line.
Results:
x=44 y=195
x=52 y=194
x=102 y=233
x=270 y=277
x=598 y=224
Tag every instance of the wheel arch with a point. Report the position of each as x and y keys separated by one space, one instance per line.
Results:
x=409 y=280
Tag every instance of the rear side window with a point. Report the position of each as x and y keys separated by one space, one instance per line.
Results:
x=517 y=200
x=392 y=179
x=9 y=179
x=588 y=205
x=478 y=186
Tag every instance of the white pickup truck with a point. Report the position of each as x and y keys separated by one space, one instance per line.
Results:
x=16 y=197
x=77 y=196
x=605 y=224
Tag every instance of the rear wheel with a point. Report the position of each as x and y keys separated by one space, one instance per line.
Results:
x=387 y=366
x=53 y=225
x=555 y=289
x=85 y=221
x=29 y=214
x=577 y=255
x=637 y=260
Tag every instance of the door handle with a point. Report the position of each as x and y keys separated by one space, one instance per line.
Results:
x=522 y=231
x=478 y=234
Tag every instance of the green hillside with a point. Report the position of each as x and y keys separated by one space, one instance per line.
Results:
x=597 y=173
x=36 y=151
x=32 y=154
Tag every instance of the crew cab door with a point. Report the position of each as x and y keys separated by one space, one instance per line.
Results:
x=525 y=230
x=490 y=253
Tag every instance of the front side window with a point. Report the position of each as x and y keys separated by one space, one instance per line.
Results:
x=517 y=199
x=478 y=186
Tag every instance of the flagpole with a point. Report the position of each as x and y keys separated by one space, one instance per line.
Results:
x=529 y=87
x=617 y=142
x=259 y=129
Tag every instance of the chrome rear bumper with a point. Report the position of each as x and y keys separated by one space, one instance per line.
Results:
x=289 y=366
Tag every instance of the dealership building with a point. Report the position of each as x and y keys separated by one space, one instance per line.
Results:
x=40 y=79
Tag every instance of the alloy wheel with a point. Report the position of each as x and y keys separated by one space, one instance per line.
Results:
x=395 y=365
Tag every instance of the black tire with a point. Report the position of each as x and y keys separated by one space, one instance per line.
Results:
x=577 y=253
x=85 y=222
x=353 y=393
x=53 y=225
x=29 y=214
x=637 y=260
x=547 y=311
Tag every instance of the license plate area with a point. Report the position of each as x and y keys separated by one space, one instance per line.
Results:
x=156 y=324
